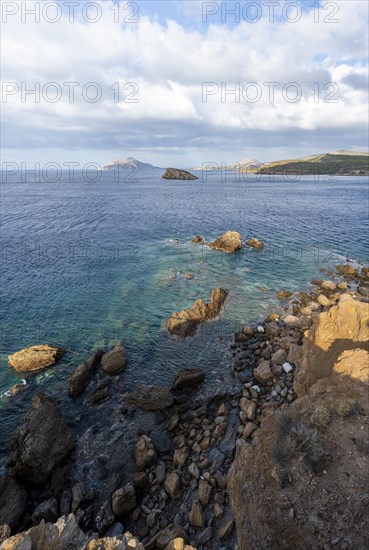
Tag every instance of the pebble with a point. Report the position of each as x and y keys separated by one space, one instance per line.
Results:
x=287 y=367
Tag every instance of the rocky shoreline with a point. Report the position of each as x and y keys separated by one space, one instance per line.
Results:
x=170 y=468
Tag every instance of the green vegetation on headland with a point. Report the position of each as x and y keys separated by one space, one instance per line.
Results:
x=343 y=163
x=327 y=164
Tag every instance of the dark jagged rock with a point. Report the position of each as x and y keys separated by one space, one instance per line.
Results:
x=124 y=500
x=176 y=174
x=187 y=378
x=47 y=511
x=82 y=375
x=42 y=442
x=184 y=323
x=12 y=500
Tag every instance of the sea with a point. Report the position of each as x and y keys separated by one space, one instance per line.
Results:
x=93 y=259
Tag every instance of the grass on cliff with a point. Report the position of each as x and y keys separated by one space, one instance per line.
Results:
x=294 y=438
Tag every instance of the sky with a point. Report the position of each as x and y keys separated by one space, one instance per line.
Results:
x=180 y=82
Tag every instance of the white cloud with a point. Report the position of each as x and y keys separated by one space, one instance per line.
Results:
x=169 y=62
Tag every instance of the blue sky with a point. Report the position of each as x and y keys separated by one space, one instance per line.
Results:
x=197 y=83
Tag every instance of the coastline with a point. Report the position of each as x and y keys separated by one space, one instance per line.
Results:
x=189 y=445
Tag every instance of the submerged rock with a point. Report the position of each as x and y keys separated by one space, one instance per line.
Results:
x=197 y=240
x=35 y=358
x=284 y=294
x=187 y=378
x=184 y=323
x=255 y=243
x=150 y=398
x=229 y=242
x=43 y=441
x=176 y=174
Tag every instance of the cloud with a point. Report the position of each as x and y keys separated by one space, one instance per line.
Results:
x=167 y=62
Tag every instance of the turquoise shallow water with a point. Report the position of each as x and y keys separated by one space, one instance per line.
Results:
x=85 y=264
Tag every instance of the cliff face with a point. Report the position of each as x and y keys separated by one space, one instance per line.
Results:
x=343 y=327
x=301 y=483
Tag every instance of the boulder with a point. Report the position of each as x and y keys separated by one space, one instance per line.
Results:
x=323 y=301
x=176 y=174
x=145 y=454
x=184 y=323
x=328 y=286
x=124 y=500
x=82 y=375
x=284 y=294
x=150 y=398
x=255 y=243
x=346 y=270
x=12 y=501
x=229 y=242
x=197 y=240
x=172 y=484
x=114 y=361
x=263 y=372
x=42 y=442
x=35 y=358
x=197 y=517
x=187 y=378
x=279 y=357
x=292 y=321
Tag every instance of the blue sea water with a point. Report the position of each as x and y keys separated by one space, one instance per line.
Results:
x=87 y=263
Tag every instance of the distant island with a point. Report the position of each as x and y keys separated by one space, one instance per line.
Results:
x=129 y=161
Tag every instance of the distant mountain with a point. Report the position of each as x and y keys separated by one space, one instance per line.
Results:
x=250 y=163
x=243 y=165
x=129 y=161
x=343 y=163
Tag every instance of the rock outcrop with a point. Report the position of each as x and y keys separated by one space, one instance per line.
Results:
x=42 y=442
x=229 y=242
x=82 y=375
x=184 y=323
x=255 y=243
x=35 y=358
x=66 y=534
x=345 y=326
x=150 y=398
x=114 y=361
x=176 y=174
